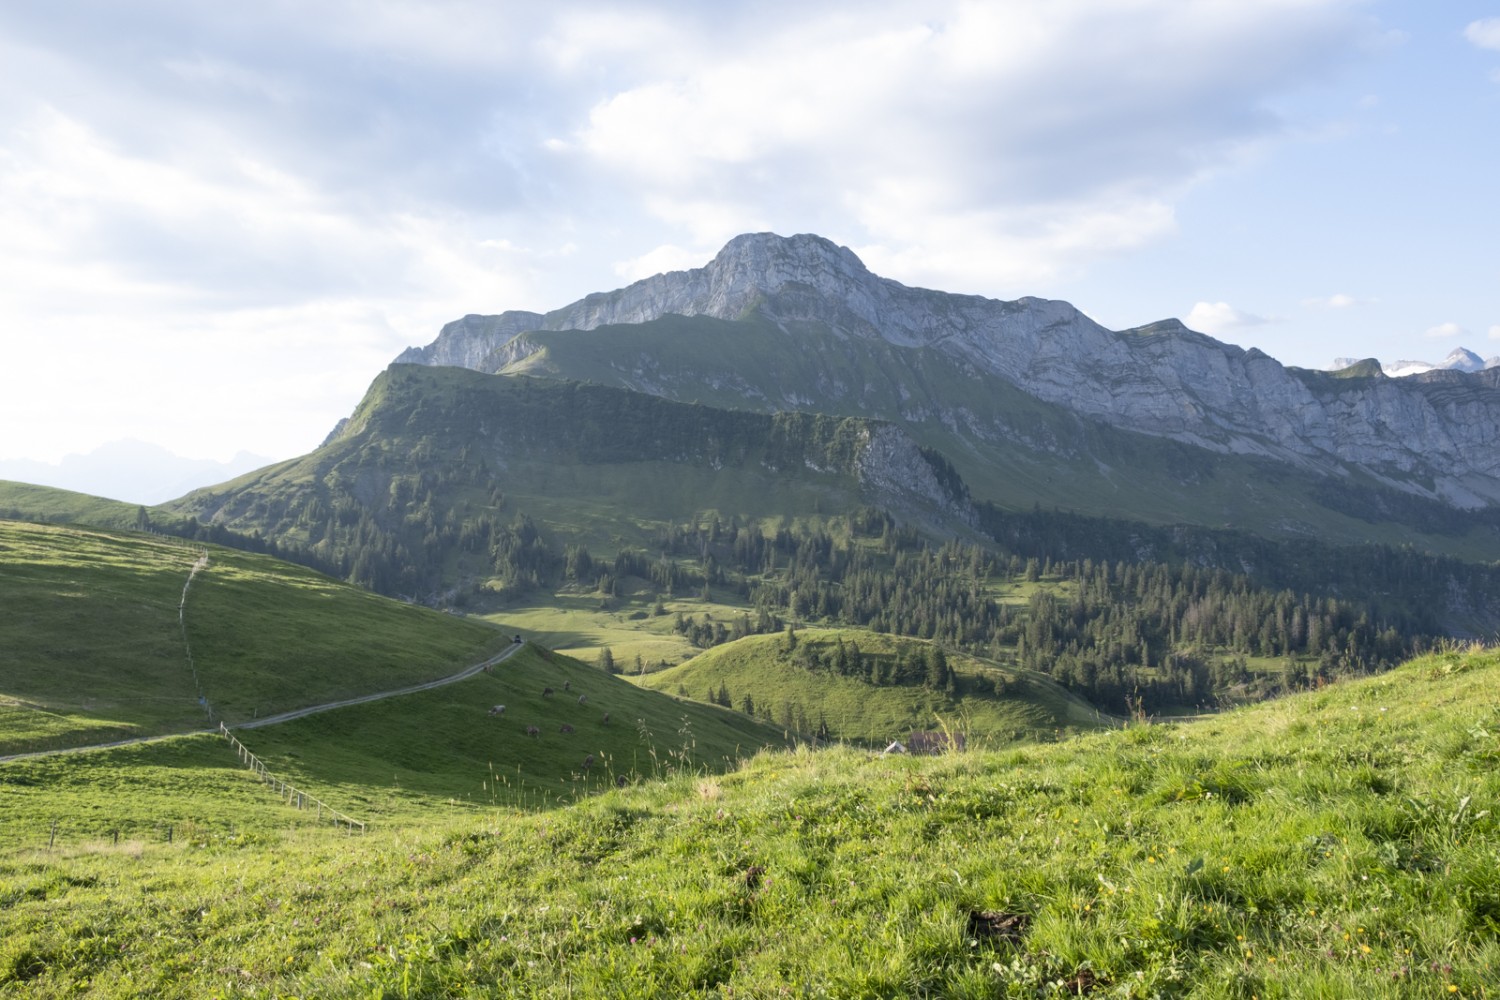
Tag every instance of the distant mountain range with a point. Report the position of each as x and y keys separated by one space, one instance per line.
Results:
x=128 y=470
x=1460 y=360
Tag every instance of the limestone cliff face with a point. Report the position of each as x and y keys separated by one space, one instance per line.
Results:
x=893 y=471
x=1432 y=434
x=468 y=342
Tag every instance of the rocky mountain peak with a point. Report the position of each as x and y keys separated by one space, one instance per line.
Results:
x=776 y=260
x=792 y=278
x=1464 y=360
x=1430 y=435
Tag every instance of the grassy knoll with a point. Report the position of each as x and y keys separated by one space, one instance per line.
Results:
x=47 y=503
x=193 y=786
x=407 y=758
x=782 y=687
x=1340 y=843
x=269 y=636
x=91 y=647
x=577 y=625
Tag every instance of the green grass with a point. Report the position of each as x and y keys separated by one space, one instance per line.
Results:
x=441 y=750
x=46 y=503
x=192 y=785
x=762 y=667
x=91 y=647
x=1340 y=843
x=269 y=636
x=577 y=625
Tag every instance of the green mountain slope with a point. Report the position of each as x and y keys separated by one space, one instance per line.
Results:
x=443 y=747
x=810 y=684
x=104 y=638
x=444 y=475
x=1338 y=843
x=25 y=502
x=1011 y=448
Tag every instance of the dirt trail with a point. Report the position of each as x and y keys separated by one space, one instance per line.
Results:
x=272 y=720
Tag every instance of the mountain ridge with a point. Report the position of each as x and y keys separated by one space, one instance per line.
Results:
x=1459 y=359
x=1425 y=435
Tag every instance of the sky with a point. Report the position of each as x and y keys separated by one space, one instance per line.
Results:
x=218 y=223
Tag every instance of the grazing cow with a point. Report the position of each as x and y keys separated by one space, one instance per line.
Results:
x=621 y=781
x=565 y=728
x=583 y=699
x=498 y=710
x=567 y=685
x=588 y=762
x=605 y=720
x=533 y=731
x=546 y=692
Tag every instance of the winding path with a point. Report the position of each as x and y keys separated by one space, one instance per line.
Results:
x=298 y=713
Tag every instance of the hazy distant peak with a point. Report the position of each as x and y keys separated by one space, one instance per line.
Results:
x=130 y=470
x=1460 y=359
x=1464 y=360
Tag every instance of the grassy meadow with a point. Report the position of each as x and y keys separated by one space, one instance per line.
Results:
x=92 y=648
x=410 y=758
x=1340 y=843
x=764 y=668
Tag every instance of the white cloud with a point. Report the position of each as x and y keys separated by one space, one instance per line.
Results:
x=186 y=191
x=1484 y=33
x=1444 y=330
x=1336 y=301
x=1495 y=332
x=1221 y=317
x=1004 y=137
x=243 y=308
x=659 y=261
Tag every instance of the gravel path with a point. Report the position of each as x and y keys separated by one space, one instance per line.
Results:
x=272 y=720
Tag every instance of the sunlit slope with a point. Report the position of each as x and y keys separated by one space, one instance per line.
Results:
x=103 y=637
x=797 y=686
x=1339 y=843
x=444 y=747
x=25 y=501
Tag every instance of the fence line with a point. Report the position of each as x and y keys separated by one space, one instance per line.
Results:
x=290 y=795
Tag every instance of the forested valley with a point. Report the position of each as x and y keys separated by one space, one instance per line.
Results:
x=1130 y=616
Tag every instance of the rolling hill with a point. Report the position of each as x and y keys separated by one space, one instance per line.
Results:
x=1336 y=843
x=106 y=638
x=809 y=685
